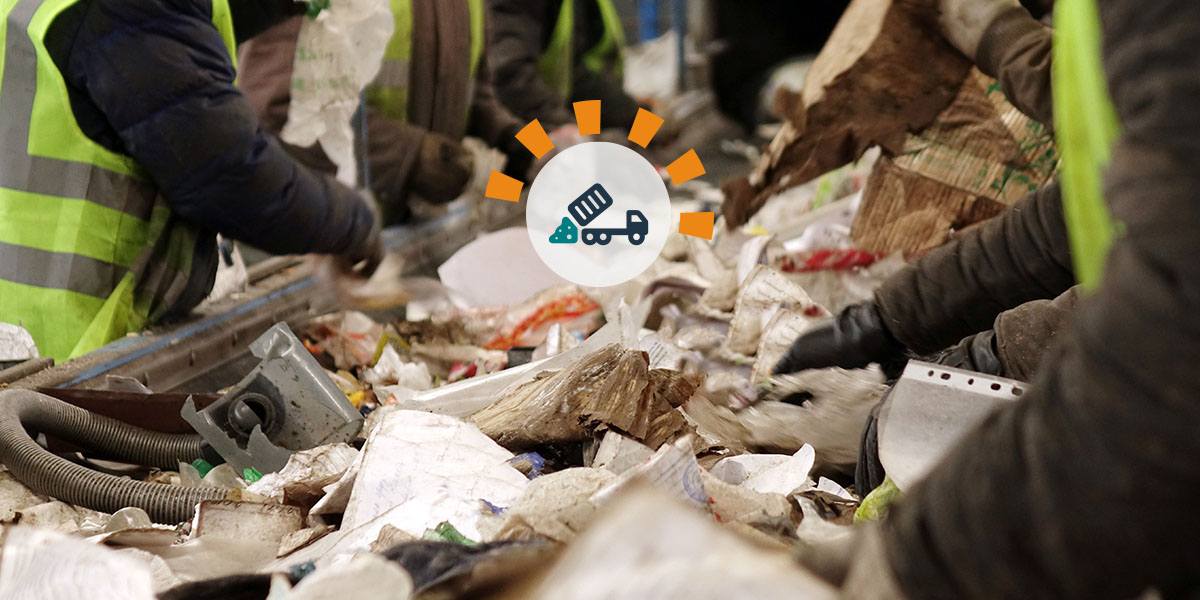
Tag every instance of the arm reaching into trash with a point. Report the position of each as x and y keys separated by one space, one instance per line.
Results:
x=956 y=290
x=1084 y=488
x=1015 y=49
x=495 y=124
x=180 y=116
x=222 y=171
x=518 y=31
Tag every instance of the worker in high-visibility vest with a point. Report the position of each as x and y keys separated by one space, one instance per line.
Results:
x=127 y=148
x=547 y=54
x=999 y=294
x=433 y=88
x=1083 y=488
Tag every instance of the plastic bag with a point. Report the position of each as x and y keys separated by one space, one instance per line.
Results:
x=337 y=54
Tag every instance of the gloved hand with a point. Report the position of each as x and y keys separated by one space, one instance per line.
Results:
x=443 y=169
x=853 y=340
x=364 y=256
x=974 y=353
x=870 y=576
x=856 y=563
x=964 y=22
x=520 y=160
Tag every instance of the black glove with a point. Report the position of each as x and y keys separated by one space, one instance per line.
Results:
x=520 y=160
x=443 y=169
x=974 y=353
x=856 y=338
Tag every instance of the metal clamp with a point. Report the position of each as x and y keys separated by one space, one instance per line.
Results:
x=285 y=405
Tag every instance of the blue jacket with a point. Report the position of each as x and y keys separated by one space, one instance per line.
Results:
x=153 y=79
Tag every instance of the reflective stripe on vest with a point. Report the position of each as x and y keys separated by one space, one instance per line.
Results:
x=87 y=250
x=1086 y=126
x=389 y=91
x=556 y=65
x=606 y=56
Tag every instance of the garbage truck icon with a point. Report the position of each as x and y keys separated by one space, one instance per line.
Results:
x=586 y=208
x=635 y=229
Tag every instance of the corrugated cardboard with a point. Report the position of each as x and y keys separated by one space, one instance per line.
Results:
x=979 y=156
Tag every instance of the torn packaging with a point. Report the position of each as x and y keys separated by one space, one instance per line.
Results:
x=978 y=157
x=607 y=388
x=885 y=71
x=764 y=292
x=831 y=422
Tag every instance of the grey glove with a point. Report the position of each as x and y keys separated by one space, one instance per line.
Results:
x=856 y=563
x=964 y=22
x=870 y=576
x=364 y=256
x=443 y=169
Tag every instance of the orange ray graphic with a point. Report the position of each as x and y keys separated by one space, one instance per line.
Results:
x=645 y=125
x=685 y=168
x=503 y=187
x=697 y=224
x=587 y=117
x=534 y=138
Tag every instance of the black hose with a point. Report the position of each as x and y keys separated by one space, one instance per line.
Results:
x=50 y=475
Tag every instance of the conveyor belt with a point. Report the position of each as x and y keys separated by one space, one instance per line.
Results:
x=281 y=289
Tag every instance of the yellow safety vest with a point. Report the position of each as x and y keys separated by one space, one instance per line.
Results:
x=1086 y=126
x=389 y=91
x=89 y=250
x=557 y=64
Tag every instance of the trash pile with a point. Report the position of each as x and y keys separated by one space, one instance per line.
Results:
x=528 y=449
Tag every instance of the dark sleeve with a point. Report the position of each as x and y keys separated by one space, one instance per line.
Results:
x=959 y=288
x=491 y=121
x=518 y=30
x=1087 y=487
x=164 y=81
x=619 y=108
x=252 y=17
x=1015 y=50
x=266 y=80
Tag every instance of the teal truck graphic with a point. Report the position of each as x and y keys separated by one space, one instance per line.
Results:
x=585 y=209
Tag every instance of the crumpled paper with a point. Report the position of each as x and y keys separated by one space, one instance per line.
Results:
x=433 y=468
x=16 y=344
x=337 y=55
x=306 y=474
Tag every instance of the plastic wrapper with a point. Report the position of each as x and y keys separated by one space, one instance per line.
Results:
x=349 y=337
x=303 y=479
x=765 y=292
x=672 y=469
x=337 y=54
x=527 y=324
x=608 y=388
x=41 y=564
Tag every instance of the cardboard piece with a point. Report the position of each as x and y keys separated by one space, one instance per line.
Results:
x=884 y=71
x=976 y=159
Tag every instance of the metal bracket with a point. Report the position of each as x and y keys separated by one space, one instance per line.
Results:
x=285 y=405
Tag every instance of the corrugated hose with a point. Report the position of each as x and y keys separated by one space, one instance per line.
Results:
x=47 y=474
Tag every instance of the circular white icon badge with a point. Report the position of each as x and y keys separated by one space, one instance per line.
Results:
x=599 y=214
